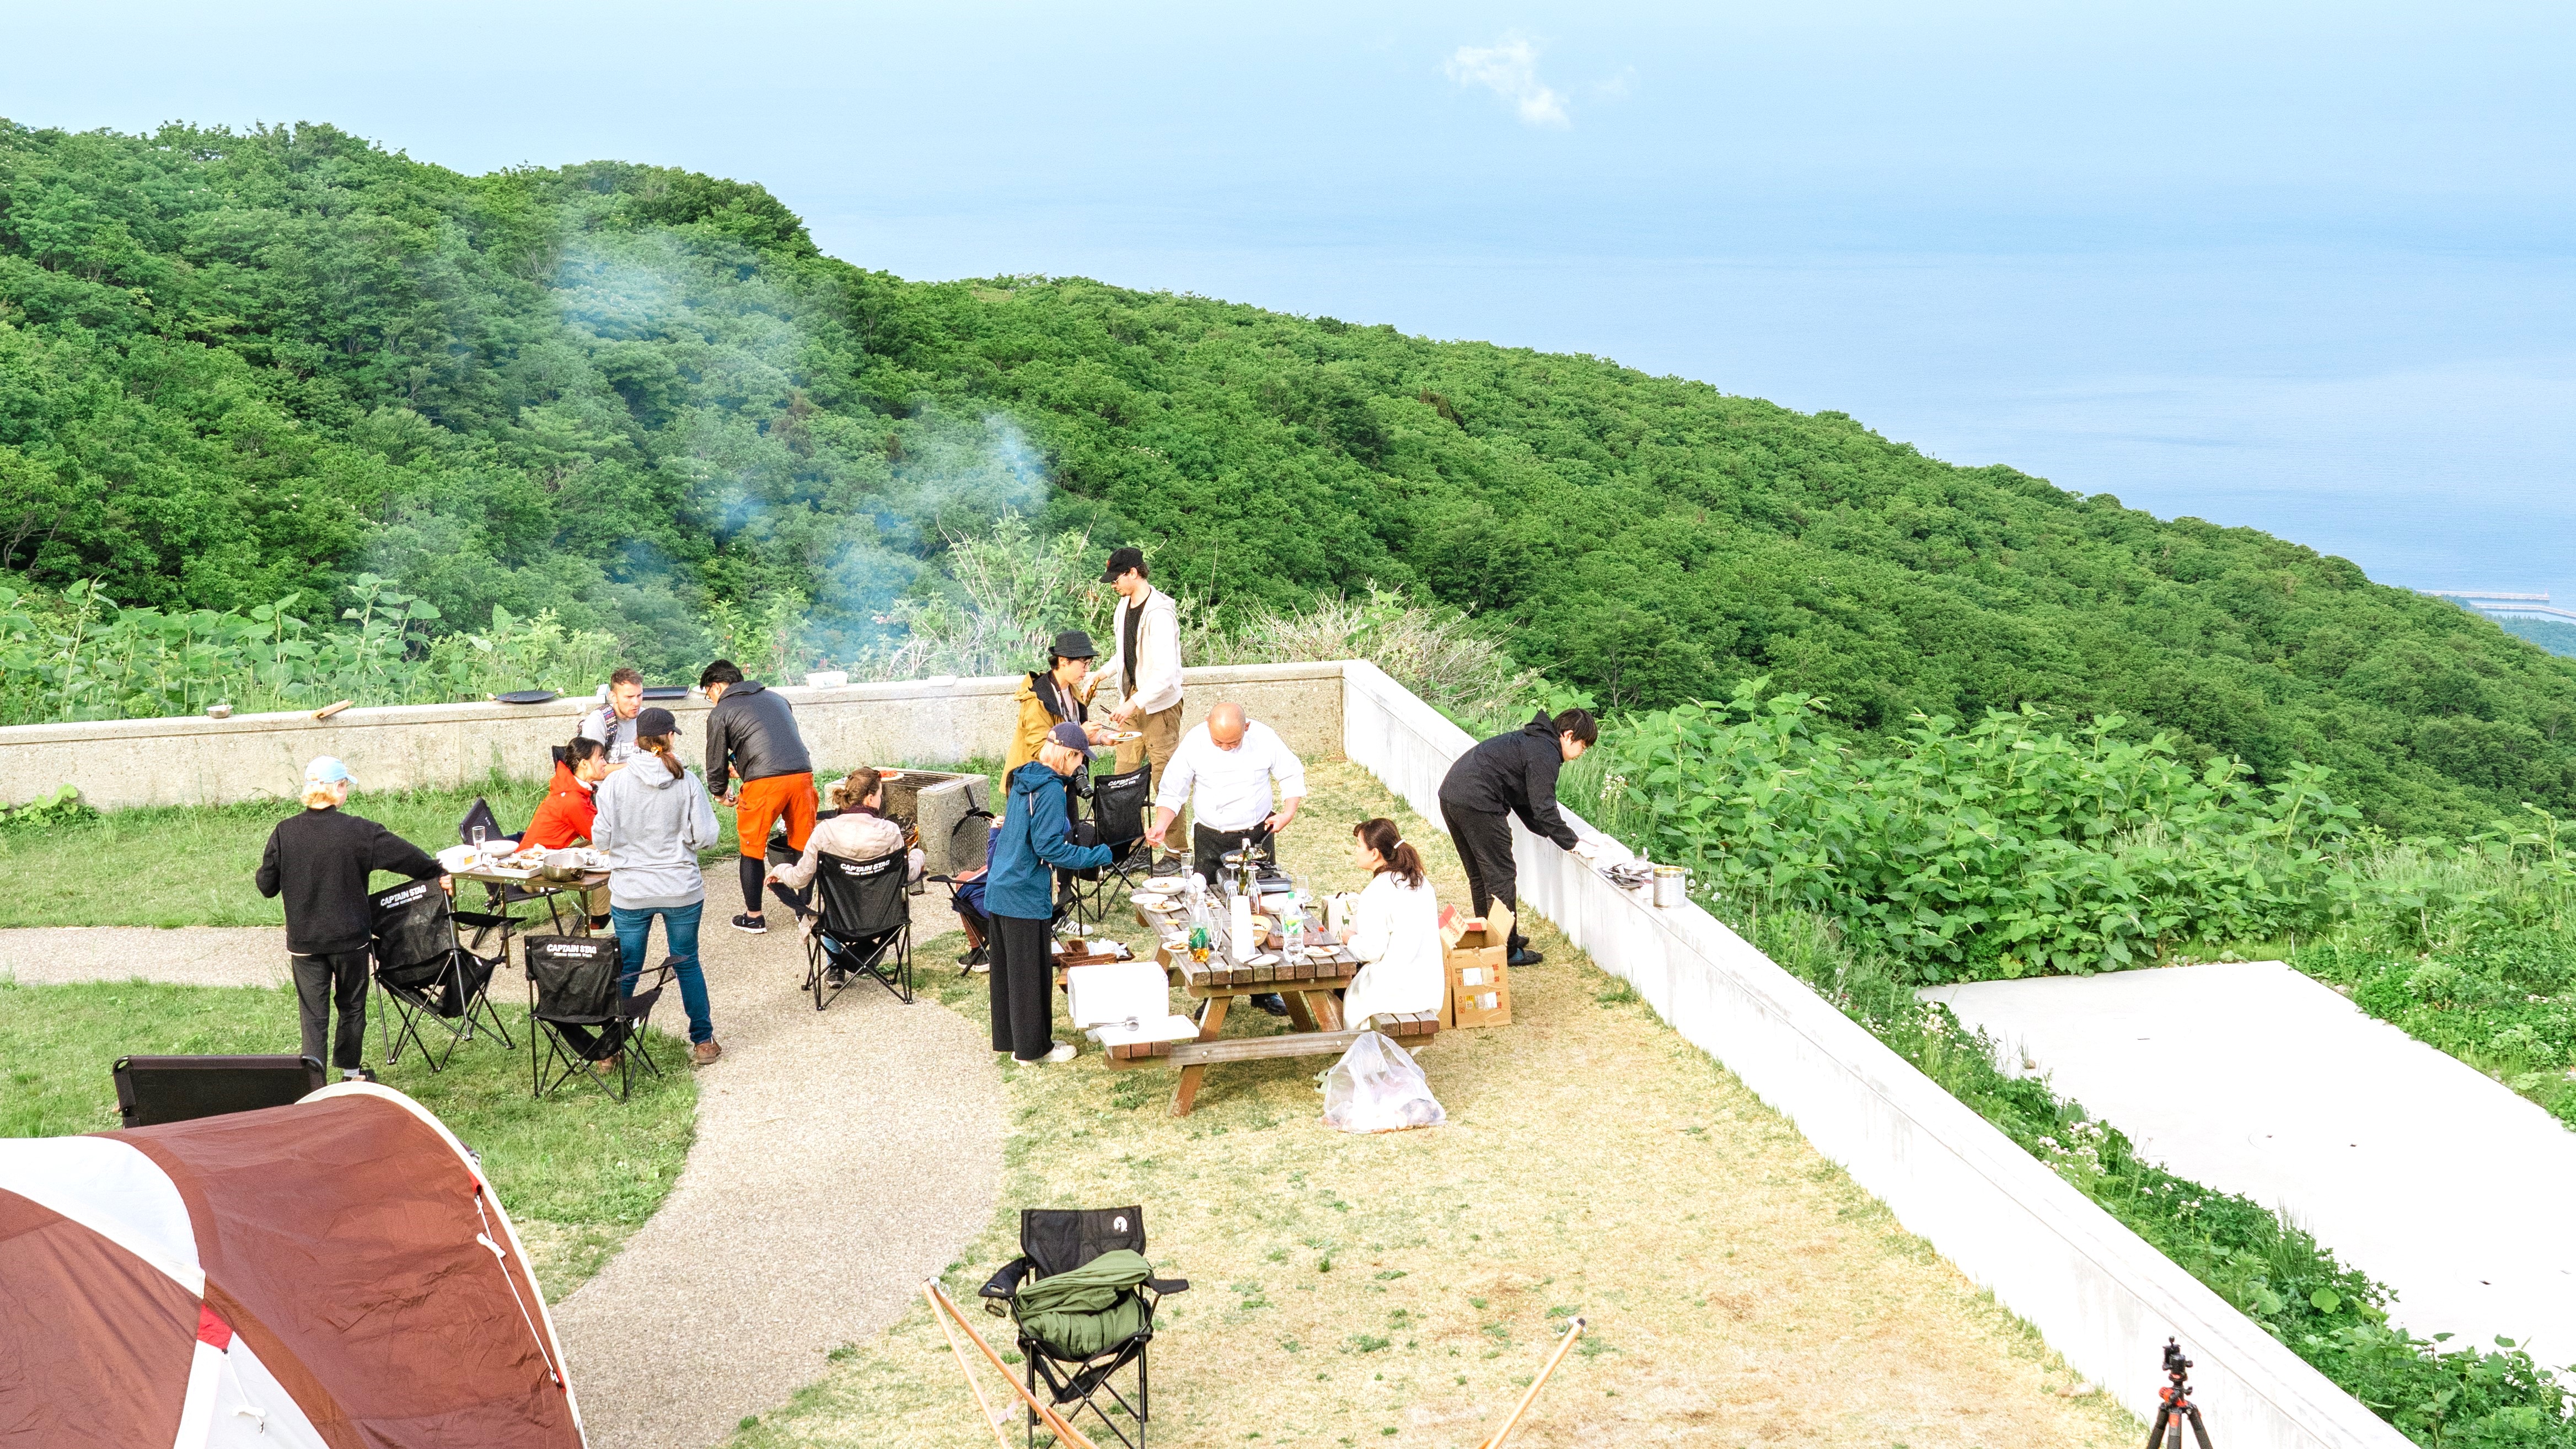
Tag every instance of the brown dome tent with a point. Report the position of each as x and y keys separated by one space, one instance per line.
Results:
x=331 y=1275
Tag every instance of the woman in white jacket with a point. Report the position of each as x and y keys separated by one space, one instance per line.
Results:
x=1396 y=930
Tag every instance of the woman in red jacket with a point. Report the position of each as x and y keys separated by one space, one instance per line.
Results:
x=565 y=819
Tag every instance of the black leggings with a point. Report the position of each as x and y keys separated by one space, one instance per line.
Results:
x=1023 y=978
x=756 y=871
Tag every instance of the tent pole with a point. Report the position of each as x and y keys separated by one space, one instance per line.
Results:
x=959 y=1350
x=1572 y=1333
x=1064 y=1432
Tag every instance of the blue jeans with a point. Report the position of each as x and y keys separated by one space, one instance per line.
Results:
x=634 y=930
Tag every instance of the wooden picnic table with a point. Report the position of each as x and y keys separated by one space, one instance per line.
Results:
x=1307 y=986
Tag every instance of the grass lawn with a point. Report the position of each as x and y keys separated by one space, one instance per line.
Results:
x=1400 y=1289
x=578 y=1172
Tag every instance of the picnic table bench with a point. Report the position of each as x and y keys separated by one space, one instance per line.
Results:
x=1307 y=987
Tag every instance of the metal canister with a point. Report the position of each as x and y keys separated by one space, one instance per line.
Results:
x=1672 y=885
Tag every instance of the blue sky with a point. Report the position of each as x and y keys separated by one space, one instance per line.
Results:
x=2310 y=268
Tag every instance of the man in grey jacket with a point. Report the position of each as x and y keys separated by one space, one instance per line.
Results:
x=752 y=739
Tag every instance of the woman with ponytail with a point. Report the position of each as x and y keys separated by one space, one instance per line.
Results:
x=653 y=820
x=1396 y=930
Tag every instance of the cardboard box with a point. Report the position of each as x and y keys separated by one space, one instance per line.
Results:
x=1472 y=950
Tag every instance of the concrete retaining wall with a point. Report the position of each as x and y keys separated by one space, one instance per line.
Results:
x=119 y=764
x=2098 y=1293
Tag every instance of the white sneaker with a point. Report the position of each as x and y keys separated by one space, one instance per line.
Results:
x=1065 y=1051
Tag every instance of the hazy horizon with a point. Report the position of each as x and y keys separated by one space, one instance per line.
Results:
x=2307 y=270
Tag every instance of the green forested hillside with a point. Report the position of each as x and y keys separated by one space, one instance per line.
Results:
x=2551 y=634
x=238 y=364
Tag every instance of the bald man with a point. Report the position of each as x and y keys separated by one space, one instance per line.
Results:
x=1225 y=771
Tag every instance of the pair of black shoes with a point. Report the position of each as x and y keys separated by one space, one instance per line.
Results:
x=975 y=957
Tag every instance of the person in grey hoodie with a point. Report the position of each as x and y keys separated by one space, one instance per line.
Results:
x=653 y=820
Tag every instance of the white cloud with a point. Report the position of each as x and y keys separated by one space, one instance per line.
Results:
x=1509 y=68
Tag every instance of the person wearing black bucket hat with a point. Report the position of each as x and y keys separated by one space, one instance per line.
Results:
x=1052 y=696
x=653 y=820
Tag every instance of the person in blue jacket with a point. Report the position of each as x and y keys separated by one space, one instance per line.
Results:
x=1019 y=896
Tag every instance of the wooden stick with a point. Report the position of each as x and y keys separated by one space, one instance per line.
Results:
x=1064 y=1432
x=328 y=710
x=968 y=1371
x=1505 y=1432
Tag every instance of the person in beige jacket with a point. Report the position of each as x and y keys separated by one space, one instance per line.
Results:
x=857 y=833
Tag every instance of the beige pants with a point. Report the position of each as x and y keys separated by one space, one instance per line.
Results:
x=1162 y=735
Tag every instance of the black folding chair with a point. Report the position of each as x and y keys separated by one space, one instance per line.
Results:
x=154 y=1090
x=1116 y=820
x=589 y=1025
x=866 y=929
x=1059 y=1240
x=426 y=972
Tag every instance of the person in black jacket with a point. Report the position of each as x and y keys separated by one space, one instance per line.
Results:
x=752 y=740
x=321 y=860
x=1513 y=774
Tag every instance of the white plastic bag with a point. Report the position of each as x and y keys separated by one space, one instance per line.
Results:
x=1376 y=1087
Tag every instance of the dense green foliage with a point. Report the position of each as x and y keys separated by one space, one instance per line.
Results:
x=2273 y=1270
x=2006 y=850
x=235 y=366
x=2550 y=634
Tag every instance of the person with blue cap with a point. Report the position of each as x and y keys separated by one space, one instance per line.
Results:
x=1019 y=896
x=322 y=861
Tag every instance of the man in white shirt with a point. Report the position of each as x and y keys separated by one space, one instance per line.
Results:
x=1144 y=668
x=1225 y=771
x=613 y=723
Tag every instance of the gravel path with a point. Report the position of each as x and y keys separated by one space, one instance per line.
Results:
x=841 y=1157
x=189 y=956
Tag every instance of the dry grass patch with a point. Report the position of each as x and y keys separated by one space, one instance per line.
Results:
x=1400 y=1289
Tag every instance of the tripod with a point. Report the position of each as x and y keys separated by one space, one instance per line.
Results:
x=2173 y=1405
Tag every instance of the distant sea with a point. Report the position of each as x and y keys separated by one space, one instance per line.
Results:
x=2412 y=411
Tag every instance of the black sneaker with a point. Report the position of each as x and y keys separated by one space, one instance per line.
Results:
x=1526 y=957
x=748 y=922
x=972 y=958
x=1167 y=866
x=1271 y=1002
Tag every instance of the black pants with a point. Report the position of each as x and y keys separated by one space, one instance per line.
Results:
x=321 y=983
x=1023 y=979
x=1484 y=842
x=1208 y=848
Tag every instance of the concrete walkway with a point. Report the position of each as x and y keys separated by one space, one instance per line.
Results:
x=2415 y=1168
x=189 y=956
x=841 y=1157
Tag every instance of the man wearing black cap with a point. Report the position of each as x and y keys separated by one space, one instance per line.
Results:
x=1144 y=668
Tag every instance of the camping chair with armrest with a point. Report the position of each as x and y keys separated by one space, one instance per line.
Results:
x=154 y=1090
x=1117 y=820
x=866 y=926
x=1082 y=1297
x=426 y=972
x=588 y=1025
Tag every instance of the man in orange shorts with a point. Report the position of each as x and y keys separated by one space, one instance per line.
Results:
x=752 y=738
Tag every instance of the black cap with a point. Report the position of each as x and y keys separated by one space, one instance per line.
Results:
x=656 y=721
x=1120 y=561
x=1074 y=644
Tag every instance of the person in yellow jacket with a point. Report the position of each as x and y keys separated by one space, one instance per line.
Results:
x=1054 y=696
